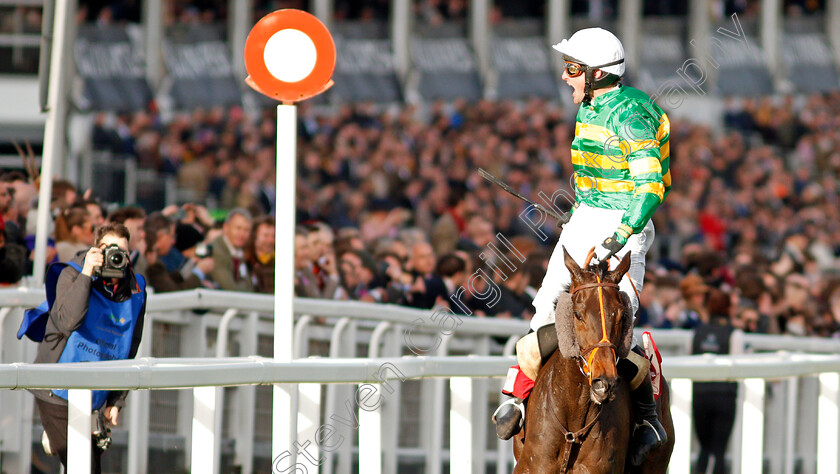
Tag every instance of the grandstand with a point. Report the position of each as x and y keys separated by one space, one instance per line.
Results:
x=152 y=110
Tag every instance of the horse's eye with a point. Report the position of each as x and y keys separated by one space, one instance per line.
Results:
x=578 y=316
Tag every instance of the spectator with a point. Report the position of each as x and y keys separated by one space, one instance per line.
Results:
x=73 y=233
x=513 y=302
x=535 y=265
x=479 y=233
x=452 y=269
x=306 y=283
x=63 y=194
x=231 y=270
x=160 y=240
x=755 y=301
x=7 y=206
x=426 y=286
x=319 y=247
x=693 y=306
x=357 y=274
x=662 y=301
x=259 y=253
x=765 y=183
x=831 y=310
x=392 y=278
x=186 y=238
x=13 y=264
x=713 y=403
x=96 y=212
x=798 y=311
x=24 y=193
x=451 y=226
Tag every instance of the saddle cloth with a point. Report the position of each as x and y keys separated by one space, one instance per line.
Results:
x=655 y=363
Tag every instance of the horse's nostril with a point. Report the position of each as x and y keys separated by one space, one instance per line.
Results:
x=599 y=386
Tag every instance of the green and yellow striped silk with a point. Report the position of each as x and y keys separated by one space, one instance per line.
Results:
x=621 y=156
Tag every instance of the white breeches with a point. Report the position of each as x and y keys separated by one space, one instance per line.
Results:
x=589 y=227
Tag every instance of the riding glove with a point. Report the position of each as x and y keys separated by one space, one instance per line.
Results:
x=610 y=247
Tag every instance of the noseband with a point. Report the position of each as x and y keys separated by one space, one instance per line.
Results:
x=588 y=355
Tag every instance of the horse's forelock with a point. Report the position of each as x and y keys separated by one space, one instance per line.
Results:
x=599 y=269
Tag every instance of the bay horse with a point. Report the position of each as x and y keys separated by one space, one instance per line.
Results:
x=579 y=417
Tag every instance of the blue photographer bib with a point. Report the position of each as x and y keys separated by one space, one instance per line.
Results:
x=105 y=334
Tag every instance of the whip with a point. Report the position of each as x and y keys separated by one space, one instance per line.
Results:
x=561 y=220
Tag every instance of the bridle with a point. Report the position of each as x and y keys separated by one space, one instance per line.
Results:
x=585 y=361
x=588 y=355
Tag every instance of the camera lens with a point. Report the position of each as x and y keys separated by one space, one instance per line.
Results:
x=117 y=259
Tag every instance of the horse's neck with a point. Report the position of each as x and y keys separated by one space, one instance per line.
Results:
x=573 y=405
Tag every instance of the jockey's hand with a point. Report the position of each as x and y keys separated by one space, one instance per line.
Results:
x=609 y=247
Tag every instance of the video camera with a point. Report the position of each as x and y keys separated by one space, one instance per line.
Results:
x=114 y=263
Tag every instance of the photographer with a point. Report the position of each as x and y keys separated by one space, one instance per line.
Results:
x=97 y=315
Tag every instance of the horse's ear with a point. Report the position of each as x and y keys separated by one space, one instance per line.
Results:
x=617 y=274
x=574 y=268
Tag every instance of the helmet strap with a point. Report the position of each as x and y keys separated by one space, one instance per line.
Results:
x=606 y=80
x=588 y=72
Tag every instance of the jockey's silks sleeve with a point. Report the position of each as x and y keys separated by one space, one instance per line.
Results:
x=621 y=156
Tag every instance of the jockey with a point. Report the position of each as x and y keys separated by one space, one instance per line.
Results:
x=620 y=156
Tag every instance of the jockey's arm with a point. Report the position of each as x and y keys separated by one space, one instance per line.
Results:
x=641 y=149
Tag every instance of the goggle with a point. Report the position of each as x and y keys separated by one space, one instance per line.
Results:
x=573 y=69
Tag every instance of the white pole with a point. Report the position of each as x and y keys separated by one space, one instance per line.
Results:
x=832 y=18
x=827 y=427
x=559 y=19
x=400 y=34
x=460 y=425
x=153 y=28
x=752 y=436
x=281 y=440
x=681 y=395
x=204 y=435
x=791 y=419
x=370 y=436
x=53 y=130
x=308 y=422
x=771 y=14
x=240 y=22
x=78 y=431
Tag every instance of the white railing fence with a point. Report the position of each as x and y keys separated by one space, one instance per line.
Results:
x=411 y=434
x=374 y=380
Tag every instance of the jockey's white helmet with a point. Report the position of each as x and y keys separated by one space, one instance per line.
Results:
x=594 y=47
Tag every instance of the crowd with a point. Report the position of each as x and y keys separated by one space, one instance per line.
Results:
x=390 y=208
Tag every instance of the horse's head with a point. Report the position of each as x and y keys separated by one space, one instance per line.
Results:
x=601 y=327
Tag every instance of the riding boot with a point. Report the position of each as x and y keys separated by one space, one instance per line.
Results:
x=531 y=351
x=509 y=418
x=649 y=433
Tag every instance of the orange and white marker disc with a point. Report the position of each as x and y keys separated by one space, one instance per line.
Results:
x=290 y=56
